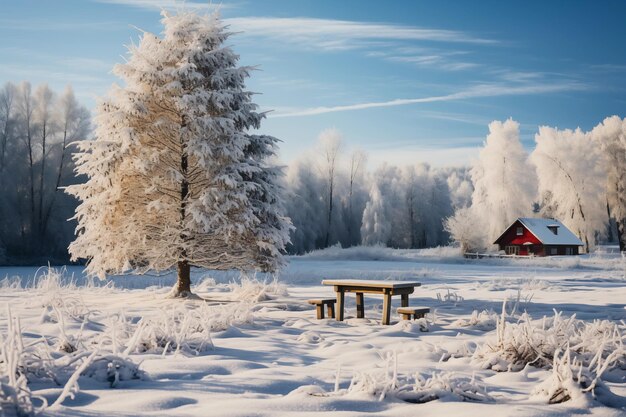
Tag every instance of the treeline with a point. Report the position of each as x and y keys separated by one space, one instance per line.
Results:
x=574 y=176
x=36 y=128
x=333 y=199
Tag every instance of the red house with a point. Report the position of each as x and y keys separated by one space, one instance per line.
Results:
x=538 y=237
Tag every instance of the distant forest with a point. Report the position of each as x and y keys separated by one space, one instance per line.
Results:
x=328 y=192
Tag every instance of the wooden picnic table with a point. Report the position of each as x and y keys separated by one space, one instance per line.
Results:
x=387 y=288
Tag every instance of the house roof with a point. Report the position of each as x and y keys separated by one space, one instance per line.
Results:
x=540 y=228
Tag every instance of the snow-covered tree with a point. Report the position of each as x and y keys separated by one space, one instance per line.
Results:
x=610 y=136
x=572 y=180
x=406 y=207
x=175 y=179
x=504 y=181
x=466 y=229
x=460 y=186
x=305 y=206
x=376 y=226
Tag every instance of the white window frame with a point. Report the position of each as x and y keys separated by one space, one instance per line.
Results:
x=554 y=251
x=519 y=231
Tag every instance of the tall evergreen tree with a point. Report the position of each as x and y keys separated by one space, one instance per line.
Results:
x=175 y=179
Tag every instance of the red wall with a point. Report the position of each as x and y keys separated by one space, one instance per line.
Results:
x=511 y=238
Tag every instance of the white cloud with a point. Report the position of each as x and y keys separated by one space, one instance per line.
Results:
x=166 y=4
x=331 y=34
x=58 y=25
x=481 y=90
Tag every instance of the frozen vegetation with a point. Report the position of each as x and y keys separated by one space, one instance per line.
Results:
x=506 y=337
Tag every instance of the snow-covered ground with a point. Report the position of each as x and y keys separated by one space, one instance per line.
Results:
x=254 y=349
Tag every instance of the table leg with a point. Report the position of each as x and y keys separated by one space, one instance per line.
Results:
x=404 y=300
x=360 y=305
x=386 y=307
x=320 y=311
x=340 y=297
x=331 y=310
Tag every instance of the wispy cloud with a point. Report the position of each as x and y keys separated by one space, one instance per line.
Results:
x=166 y=4
x=344 y=34
x=481 y=90
x=36 y=25
x=410 y=45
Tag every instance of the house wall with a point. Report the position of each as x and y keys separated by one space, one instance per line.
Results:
x=511 y=239
x=561 y=250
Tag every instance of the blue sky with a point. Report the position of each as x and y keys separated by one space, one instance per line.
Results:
x=407 y=80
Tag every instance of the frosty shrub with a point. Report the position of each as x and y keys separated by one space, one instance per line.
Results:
x=450 y=297
x=112 y=369
x=445 y=385
x=484 y=320
x=178 y=330
x=564 y=383
x=252 y=290
x=384 y=381
x=598 y=345
x=378 y=382
x=15 y=396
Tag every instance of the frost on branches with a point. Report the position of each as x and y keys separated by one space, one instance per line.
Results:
x=174 y=177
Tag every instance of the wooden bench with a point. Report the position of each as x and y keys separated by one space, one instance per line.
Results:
x=413 y=312
x=319 y=304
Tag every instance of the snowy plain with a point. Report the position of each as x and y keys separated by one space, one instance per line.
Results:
x=256 y=349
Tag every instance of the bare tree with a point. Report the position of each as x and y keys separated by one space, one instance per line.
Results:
x=43 y=116
x=358 y=160
x=74 y=124
x=7 y=98
x=330 y=141
x=26 y=119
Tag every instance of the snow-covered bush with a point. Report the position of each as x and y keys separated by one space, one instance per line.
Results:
x=464 y=229
x=253 y=290
x=563 y=384
x=377 y=382
x=484 y=320
x=15 y=396
x=384 y=381
x=179 y=330
x=112 y=369
x=445 y=385
x=598 y=345
x=450 y=297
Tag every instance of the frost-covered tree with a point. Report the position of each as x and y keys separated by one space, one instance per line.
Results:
x=175 y=179
x=406 y=207
x=572 y=179
x=305 y=206
x=376 y=226
x=466 y=229
x=610 y=136
x=504 y=181
x=460 y=186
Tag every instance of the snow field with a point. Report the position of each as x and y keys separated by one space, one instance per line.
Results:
x=255 y=348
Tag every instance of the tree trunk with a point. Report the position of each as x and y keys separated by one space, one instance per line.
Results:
x=46 y=218
x=330 y=215
x=41 y=181
x=183 y=284
x=621 y=233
